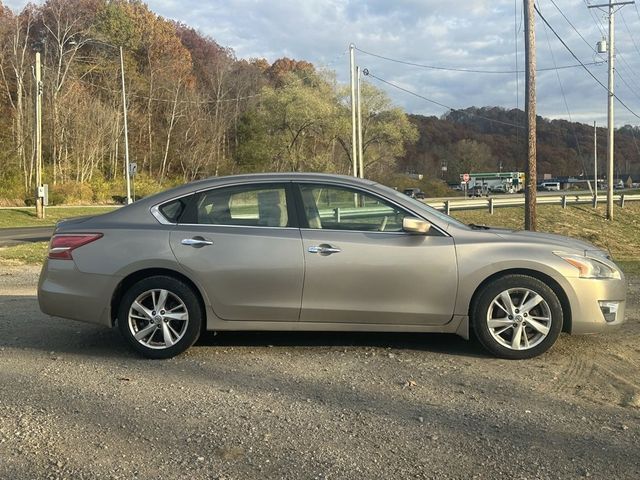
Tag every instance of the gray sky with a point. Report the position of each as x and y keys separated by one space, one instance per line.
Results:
x=472 y=34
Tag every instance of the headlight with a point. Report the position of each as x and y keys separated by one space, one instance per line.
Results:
x=589 y=267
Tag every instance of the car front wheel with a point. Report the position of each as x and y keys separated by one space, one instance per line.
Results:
x=160 y=317
x=517 y=317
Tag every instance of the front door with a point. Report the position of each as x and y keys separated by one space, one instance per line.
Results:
x=362 y=268
x=242 y=246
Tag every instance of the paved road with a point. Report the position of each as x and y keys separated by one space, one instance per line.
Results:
x=15 y=236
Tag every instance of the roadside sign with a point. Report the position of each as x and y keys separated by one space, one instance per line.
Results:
x=465 y=177
x=133 y=169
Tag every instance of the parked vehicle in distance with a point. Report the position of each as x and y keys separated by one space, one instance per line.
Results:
x=315 y=252
x=477 y=191
x=501 y=188
x=414 y=193
x=549 y=186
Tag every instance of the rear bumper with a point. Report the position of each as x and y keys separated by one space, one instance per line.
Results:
x=64 y=291
x=585 y=296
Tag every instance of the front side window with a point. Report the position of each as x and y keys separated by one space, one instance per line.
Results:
x=253 y=205
x=331 y=207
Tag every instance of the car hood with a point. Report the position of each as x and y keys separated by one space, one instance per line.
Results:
x=551 y=239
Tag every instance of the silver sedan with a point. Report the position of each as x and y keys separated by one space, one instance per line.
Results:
x=295 y=252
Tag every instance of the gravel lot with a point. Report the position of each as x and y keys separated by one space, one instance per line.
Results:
x=76 y=404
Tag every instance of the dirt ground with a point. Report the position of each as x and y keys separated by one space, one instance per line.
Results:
x=75 y=403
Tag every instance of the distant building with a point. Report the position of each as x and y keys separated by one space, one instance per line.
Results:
x=510 y=182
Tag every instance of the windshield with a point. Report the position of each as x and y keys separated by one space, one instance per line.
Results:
x=423 y=206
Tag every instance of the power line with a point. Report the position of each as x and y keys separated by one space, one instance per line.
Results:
x=630 y=34
x=369 y=74
x=466 y=70
x=619 y=54
x=573 y=26
x=566 y=103
x=582 y=64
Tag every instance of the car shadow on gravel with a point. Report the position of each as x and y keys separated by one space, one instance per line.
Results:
x=23 y=326
x=26 y=327
x=428 y=342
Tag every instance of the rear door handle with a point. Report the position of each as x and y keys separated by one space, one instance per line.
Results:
x=323 y=249
x=196 y=242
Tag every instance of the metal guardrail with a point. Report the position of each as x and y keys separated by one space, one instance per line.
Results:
x=490 y=203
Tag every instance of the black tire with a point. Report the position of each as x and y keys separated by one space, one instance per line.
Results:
x=506 y=336
x=180 y=300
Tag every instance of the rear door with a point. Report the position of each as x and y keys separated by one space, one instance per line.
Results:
x=242 y=245
x=362 y=268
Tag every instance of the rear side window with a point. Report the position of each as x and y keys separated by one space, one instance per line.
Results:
x=173 y=210
x=263 y=205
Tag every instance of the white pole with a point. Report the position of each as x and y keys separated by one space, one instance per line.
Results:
x=38 y=124
x=126 y=131
x=359 y=111
x=354 y=155
x=610 y=116
x=595 y=163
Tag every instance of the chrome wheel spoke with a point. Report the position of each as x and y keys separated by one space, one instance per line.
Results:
x=160 y=302
x=175 y=334
x=536 y=325
x=508 y=303
x=502 y=330
x=535 y=300
x=499 y=305
x=517 y=338
x=524 y=298
x=149 y=330
x=500 y=322
x=166 y=334
x=182 y=316
x=142 y=309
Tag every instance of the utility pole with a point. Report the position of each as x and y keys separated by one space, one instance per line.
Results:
x=126 y=131
x=359 y=112
x=38 y=134
x=611 y=58
x=595 y=164
x=352 y=70
x=530 y=93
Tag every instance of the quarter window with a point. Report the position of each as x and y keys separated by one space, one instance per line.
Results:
x=174 y=209
x=255 y=205
x=336 y=208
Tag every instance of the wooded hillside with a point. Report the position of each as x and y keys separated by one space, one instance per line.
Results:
x=195 y=110
x=467 y=141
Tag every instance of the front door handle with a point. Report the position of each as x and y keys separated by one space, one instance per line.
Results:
x=196 y=242
x=324 y=249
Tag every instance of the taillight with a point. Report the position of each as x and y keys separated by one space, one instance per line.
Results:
x=63 y=244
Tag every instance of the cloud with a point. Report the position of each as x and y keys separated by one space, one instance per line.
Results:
x=479 y=34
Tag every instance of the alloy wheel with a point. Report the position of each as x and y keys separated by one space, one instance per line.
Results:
x=158 y=318
x=519 y=318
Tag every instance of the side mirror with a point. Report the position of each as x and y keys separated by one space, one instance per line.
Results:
x=415 y=225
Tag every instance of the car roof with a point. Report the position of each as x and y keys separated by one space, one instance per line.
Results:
x=212 y=182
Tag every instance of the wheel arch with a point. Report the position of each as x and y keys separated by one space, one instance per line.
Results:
x=553 y=284
x=131 y=279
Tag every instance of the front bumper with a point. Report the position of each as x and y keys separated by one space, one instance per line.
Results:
x=64 y=291
x=587 y=296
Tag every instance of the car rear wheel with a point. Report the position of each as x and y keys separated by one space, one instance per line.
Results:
x=517 y=317
x=160 y=317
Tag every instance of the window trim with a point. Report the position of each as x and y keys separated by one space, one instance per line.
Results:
x=293 y=185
